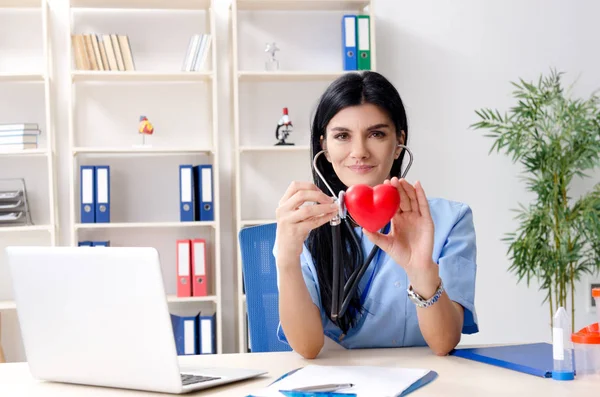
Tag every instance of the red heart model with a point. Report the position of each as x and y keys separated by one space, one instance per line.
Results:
x=372 y=208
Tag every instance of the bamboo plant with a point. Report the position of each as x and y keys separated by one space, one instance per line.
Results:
x=556 y=139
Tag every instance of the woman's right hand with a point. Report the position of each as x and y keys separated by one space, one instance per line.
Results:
x=295 y=220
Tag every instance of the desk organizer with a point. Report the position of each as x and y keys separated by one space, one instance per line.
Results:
x=14 y=207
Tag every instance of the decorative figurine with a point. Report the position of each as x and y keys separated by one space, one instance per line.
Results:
x=284 y=128
x=272 y=63
x=145 y=128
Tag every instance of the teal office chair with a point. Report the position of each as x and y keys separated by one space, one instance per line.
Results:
x=260 y=283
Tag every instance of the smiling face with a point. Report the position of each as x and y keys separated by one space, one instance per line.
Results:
x=361 y=144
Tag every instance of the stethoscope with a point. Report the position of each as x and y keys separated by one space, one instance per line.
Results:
x=342 y=294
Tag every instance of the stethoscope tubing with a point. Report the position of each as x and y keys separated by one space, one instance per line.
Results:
x=341 y=293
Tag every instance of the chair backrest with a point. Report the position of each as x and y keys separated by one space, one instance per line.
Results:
x=260 y=284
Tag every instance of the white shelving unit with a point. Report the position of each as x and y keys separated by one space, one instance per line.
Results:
x=22 y=78
x=26 y=153
x=310 y=73
x=141 y=151
x=46 y=230
x=176 y=299
x=142 y=76
x=144 y=4
x=144 y=225
x=121 y=152
x=32 y=228
x=22 y=4
x=7 y=305
x=302 y=5
x=295 y=148
x=286 y=76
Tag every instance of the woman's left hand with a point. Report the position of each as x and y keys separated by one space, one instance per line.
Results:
x=410 y=240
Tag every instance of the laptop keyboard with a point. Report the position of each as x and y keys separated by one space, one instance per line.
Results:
x=191 y=379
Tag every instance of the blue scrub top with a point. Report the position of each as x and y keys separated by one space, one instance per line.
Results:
x=390 y=318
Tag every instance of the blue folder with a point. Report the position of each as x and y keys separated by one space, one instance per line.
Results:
x=207 y=342
x=203 y=193
x=87 y=193
x=102 y=192
x=183 y=340
x=534 y=359
x=207 y=208
x=186 y=193
x=349 y=57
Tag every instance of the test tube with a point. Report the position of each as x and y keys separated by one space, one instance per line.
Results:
x=562 y=350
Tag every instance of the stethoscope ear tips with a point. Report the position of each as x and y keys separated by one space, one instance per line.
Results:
x=410 y=161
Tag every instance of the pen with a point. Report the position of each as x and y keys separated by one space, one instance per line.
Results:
x=291 y=393
x=329 y=387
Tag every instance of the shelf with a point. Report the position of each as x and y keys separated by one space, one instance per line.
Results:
x=25 y=153
x=21 y=77
x=8 y=305
x=24 y=229
x=302 y=5
x=176 y=299
x=139 y=76
x=256 y=78
x=294 y=148
x=254 y=222
x=142 y=225
x=20 y=4
x=155 y=151
x=289 y=75
x=143 y=4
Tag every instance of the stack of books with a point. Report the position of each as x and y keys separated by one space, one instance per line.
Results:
x=18 y=136
x=197 y=52
x=105 y=52
x=14 y=210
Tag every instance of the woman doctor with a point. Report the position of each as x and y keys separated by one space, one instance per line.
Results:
x=419 y=288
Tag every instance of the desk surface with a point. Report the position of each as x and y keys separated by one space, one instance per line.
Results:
x=457 y=376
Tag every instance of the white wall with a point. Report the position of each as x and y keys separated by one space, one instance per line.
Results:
x=447 y=59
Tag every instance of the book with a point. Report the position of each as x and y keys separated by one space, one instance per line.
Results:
x=198 y=50
x=102 y=52
x=20 y=128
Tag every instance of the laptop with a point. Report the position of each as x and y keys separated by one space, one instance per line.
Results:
x=99 y=316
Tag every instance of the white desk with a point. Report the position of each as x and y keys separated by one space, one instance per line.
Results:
x=456 y=376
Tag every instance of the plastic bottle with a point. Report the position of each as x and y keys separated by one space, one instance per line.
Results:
x=562 y=350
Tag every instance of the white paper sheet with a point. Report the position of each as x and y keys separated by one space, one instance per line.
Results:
x=369 y=381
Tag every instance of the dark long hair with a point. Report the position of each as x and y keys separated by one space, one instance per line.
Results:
x=349 y=90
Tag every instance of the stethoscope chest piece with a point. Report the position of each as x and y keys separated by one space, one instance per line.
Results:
x=342 y=206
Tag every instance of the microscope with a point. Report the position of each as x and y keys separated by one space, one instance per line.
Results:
x=284 y=128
